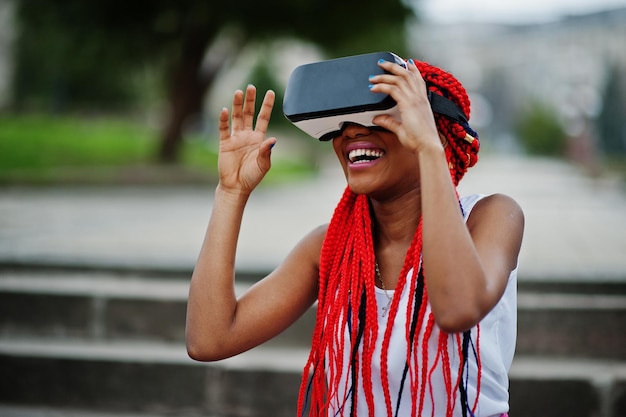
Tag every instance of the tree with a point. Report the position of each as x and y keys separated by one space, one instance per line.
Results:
x=540 y=132
x=103 y=41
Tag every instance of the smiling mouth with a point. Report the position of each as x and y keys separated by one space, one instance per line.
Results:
x=357 y=156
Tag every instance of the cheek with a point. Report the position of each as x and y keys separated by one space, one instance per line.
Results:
x=340 y=158
x=336 y=142
x=339 y=153
x=409 y=169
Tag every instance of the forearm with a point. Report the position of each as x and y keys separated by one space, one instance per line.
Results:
x=454 y=275
x=212 y=301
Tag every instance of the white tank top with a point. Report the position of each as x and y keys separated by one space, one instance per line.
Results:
x=497 y=345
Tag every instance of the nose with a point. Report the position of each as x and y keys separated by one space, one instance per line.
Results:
x=354 y=130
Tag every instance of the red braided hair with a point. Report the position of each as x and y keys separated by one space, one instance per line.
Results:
x=462 y=142
x=347 y=317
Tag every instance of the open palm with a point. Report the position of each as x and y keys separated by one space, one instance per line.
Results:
x=244 y=152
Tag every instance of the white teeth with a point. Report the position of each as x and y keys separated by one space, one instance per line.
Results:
x=364 y=155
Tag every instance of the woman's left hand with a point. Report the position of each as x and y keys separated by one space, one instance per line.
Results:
x=416 y=130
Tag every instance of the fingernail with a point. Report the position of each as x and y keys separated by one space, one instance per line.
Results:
x=370 y=86
x=272 y=146
x=411 y=61
x=371 y=76
x=380 y=61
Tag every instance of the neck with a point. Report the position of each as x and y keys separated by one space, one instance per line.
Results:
x=396 y=219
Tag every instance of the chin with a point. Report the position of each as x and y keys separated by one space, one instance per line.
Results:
x=361 y=186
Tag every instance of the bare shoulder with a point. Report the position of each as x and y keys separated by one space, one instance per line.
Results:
x=497 y=220
x=497 y=207
x=497 y=227
x=319 y=233
x=303 y=260
x=312 y=242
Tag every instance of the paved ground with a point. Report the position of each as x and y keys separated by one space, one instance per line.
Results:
x=575 y=225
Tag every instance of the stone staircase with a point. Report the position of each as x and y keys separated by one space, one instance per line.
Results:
x=90 y=342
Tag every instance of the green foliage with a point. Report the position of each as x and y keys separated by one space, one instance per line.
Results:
x=42 y=149
x=36 y=141
x=540 y=132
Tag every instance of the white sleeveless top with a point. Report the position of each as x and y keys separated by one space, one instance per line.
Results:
x=497 y=345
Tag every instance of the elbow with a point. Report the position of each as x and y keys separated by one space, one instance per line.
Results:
x=457 y=312
x=199 y=353
x=454 y=326
x=457 y=320
x=203 y=351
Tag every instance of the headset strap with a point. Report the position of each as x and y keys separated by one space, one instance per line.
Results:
x=446 y=107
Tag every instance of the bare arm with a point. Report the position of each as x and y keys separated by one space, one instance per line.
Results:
x=218 y=324
x=466 y=265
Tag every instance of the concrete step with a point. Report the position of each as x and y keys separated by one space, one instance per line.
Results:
x=102 y=306
x=545 y=284
x=147 y=377
x=581 y=325
x=109 y=306
x=34 y=411
x=156 y=378
x=91 y=305
x=98 y=306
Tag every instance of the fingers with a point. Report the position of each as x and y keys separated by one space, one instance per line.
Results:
x=396 y=69
x=416 y=123
x=387 y=122
x=398 y=79
x=244 y=110
x=237 y=119
x=265 y=112
x=248 y=107
x=223 y=126
x=416 y=74
x=265 y=152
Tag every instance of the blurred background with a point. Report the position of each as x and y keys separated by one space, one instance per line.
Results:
x=87 y=87
x=108 y=145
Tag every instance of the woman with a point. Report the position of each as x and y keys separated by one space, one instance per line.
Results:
x=415 y=287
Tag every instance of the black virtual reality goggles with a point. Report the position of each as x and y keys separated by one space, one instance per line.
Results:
x=322 y=97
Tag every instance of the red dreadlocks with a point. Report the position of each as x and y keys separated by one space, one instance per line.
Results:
x=347 y=317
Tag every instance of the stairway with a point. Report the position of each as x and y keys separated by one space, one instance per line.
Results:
x=88 y=342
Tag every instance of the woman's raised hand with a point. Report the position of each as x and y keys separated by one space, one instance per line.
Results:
x=417 y=129
x=244 y=151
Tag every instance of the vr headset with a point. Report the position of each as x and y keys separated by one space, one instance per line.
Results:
x=321 y=97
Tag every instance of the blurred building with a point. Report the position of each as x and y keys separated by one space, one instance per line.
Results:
x=563 y=63
x=7 y=13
